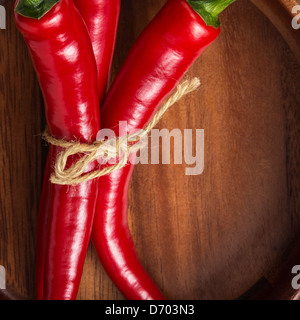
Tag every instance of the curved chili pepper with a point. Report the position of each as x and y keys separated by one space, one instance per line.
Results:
x=101 y=18
x=155 y=64
x=64 y=62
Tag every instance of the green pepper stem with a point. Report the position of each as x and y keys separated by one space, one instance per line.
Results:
x=32 y=3
x=35 y=9
x=209 y=10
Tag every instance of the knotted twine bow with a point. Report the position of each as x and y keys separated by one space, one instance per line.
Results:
x=111 y=148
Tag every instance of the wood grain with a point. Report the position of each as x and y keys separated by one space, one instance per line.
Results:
x=211 y=236
x=280 y=14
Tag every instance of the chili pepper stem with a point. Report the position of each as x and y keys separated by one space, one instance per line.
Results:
x=35 y=9
x=32 y=3
x=209 y=10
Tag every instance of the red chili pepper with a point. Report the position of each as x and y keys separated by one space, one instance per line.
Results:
x=101 y=18
x=42 y=230
x=64 y=61
x=156 y=63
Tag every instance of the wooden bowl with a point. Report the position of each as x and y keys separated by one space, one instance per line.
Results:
x=221 y=235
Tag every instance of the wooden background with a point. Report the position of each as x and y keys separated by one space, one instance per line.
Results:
x=211 y=236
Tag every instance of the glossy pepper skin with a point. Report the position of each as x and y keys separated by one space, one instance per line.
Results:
x=156 y=63
x=101 y=18
x=64 y=62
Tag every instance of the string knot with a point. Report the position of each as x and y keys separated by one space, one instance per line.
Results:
x=118 y=149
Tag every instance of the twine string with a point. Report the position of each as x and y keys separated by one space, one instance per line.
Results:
x=119 y=148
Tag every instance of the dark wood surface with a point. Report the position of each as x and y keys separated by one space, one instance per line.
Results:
x=204 y=237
